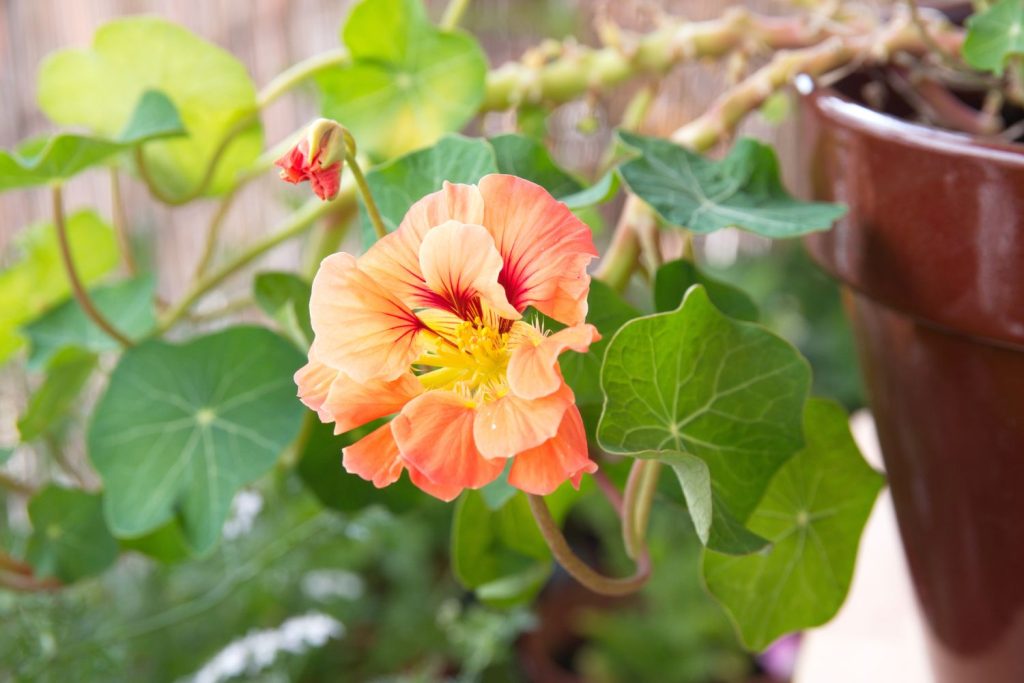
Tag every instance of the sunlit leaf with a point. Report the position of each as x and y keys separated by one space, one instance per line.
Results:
x=813 y=513
x=994 y=35
x=128 y=305
x=399 y=184
x=407 y=82
x=694 y=381
x=62 y=156
x=36 y=279
x=66 y=375
x=528 y=158
x=285 y=298
x=743 y=190
x=675 y=277
x=69 y=540
x=182 y=427
x=98 y=87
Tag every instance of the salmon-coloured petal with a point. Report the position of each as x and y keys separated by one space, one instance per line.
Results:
x=314 y=381
x=533 y=366
x=510 y=424
x=543 y=469
x=420 y=481
x=460 y=263
x=435 y=435
x=394 y=261
x=351 y=404
x=361 y=329
x=374 y=457
x=545 y=248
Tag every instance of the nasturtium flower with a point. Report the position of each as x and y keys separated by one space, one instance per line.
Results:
x=317 y=158
x=428 y=325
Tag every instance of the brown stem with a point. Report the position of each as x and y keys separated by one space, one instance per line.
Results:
x=27 y=584
x=14 y=566
x=579 y=569
x=608 y=489
x=77 y=288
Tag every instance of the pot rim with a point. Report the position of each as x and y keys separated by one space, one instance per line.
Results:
x=846 y=112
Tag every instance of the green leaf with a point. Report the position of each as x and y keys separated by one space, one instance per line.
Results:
x=98 y=87
x=128 y=305
x=607 y=311
x=36 y=280
x=69 y=539
x=813 y=512
x=527 y=158
x=499 y=547
x=407 y=84
x=995 y=35
x=694 y=381
x=182 y=427
x=320 y=469
x=167 y=544
x=6 y=453
x=66 y=375
x=743 y=190
x=399 y=184
x=64 y=155
x=675 y=277
x=598 y=193
x=285 y=298
x=714 y=523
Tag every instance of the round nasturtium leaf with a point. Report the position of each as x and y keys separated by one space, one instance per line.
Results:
x=181 y=428
x=408 y=82
x=98 y=88
x=69 y=539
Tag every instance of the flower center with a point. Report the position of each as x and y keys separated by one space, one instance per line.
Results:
x=469 y=358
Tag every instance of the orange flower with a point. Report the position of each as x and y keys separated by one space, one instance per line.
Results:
x=317 y=158
x=428 y=325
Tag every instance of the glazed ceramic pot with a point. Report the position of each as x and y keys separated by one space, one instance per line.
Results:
x=931 y=255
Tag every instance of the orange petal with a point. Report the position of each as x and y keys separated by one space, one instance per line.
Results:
x=420 y=480
x=394 y=260
x=435 y=435
x=460 y=263
x=314 y=381
x=543 y=469
x=533 y=366
x=545 y=248
x=361 y=328
x=351 y=404
x=374 y=457
x=512 y=424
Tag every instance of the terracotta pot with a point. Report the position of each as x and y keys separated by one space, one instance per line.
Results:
x=932 y=256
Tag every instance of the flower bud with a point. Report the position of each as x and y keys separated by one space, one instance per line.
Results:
x=318 y=158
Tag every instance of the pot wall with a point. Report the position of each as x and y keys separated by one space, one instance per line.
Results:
x=932 y=254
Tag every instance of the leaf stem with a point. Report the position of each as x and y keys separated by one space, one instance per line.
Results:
x=213 y=231
x=579 y=569
x=364 y=188
x=77 y=288
x=295 y=225
x=296 y=74
x=15 y=486
x=453 y=14
x=120 y=223
x=636 y=504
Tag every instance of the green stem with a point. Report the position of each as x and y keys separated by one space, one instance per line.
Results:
x=296 y=224
x=77 y=287
x=453 y=14
x=364 y=188
x=213 y=231
x=294 y=75
x=576 y=567
x=121 y=223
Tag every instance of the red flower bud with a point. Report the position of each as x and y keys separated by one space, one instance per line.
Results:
x=316 y=158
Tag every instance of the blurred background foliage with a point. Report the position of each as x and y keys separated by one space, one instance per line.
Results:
x=321 y=578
